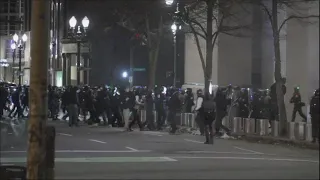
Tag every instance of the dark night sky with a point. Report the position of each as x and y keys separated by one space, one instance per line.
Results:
x=110 y=51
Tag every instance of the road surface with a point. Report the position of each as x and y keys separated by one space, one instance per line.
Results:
x=110 y=153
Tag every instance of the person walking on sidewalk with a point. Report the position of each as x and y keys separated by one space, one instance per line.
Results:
x=296 y=100
x=314 y=113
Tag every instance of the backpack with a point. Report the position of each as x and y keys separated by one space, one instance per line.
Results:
x=208 y=105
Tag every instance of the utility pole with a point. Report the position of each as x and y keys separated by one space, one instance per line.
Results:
x=78 y=61
x=132 y=47
x=13 y=64
x=174 y=60
x=38 y=88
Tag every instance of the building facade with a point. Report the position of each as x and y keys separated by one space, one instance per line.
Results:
x=16 y=18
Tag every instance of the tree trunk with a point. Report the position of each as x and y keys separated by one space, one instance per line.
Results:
x=277 y=70
x=209 y=49
x=38 y=88
x=152 y=72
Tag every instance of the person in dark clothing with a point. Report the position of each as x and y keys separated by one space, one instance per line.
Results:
x=73 y=105
x=25 y=100
x=64 y=105
x=209 y=117
x=16 y=104
x=101 y=104
x=174 y=105
x=297 y=105
x=314 y=113
x=221 y=111
x=159 y=105
x=149 y=111
x=189 y=101
x=3 y=99
x=135 y=111
x=127 y=104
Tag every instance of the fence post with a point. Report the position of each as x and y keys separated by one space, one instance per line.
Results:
x=308 y=132
x=236 y=125
x=275 y=128
x=263 y=127
x=291 y=128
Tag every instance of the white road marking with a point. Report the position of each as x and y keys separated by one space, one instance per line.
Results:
x=94 y=140
x=132 y=149
x=217 y=152
x=153 y=133
x=169 y=159
x=189 y=140
x=63 y=134
x=83 y=151
x=97 y=159
x=248 y=158
x=248 y=150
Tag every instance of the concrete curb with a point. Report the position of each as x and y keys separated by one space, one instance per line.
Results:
x=279 y=141
x=262 y=139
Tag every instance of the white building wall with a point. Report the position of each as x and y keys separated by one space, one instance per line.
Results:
x=302 y=57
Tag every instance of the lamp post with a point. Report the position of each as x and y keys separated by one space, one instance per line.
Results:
x=174 y=31
x=78 y=32
x=13 y=47
x=20 y=42
x=174 y=28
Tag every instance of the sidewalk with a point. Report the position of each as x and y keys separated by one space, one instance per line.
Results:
x=261 y=139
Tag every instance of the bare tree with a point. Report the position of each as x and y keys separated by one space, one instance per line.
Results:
x=146 y=21
x=272 y=14
x=207 y=19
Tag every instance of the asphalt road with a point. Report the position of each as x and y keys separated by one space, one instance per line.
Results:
x=110 y=153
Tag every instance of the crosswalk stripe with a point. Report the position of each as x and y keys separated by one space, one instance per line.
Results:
x=96 y=160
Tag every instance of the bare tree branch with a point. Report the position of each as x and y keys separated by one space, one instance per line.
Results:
x=295 y=17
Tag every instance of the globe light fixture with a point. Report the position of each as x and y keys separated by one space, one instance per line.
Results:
x=174 y=28
x=24 y=38
x=85 y=22
x=15 y=37
x=169 y=2
x=73 y=22
x=125 y=74
x=13 y=46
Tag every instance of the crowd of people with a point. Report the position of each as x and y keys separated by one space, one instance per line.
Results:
x=121 y=106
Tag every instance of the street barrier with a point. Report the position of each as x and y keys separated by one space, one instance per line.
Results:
x=143 y=115
x=307 y=132
x=262 y=127
x=237 y=125
x=184 y=119
x=291 y=130
x=226 y=122
x=191 y=120
x=275 y=128
x=299 y=130
x=155 y=117
x=249 y=125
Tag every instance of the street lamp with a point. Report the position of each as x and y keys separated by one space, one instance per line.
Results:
x=174 y=31
x=78 y=35
x=169 y=2
x=20 y=42
x=125 y=74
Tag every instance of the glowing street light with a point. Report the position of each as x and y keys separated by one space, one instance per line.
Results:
x=85 y=22
x=73 y=22
x=174 y=28
x=169 y=2
x=125 y=74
